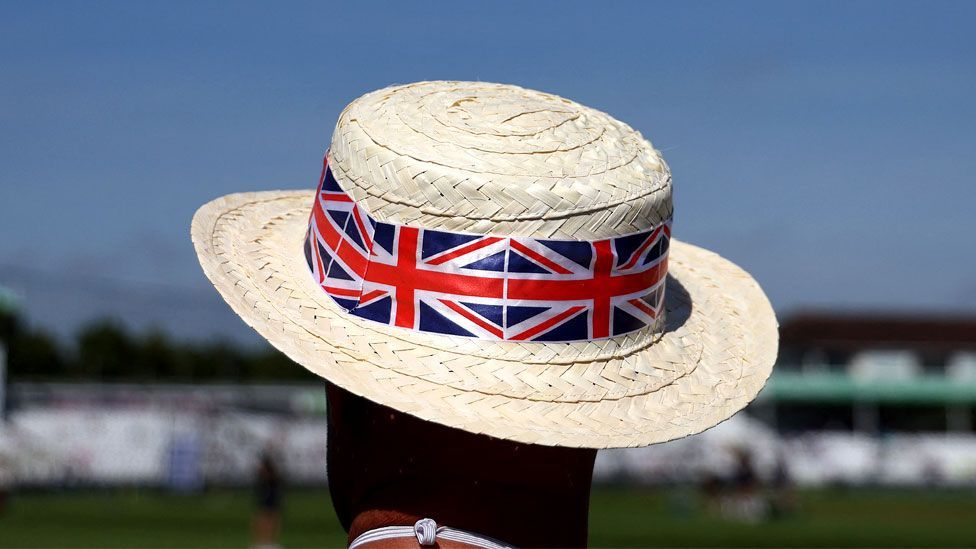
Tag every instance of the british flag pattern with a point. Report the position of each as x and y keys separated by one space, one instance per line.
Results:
x=484 y=286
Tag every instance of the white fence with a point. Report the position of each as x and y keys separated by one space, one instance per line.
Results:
x=186 y=437
x=157 y=447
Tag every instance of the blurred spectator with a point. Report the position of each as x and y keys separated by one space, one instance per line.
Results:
x=782 y=497
x=744 y=500
x=6 y=480
x=268 y=490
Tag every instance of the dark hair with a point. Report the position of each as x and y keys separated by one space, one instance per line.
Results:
x=381 y=459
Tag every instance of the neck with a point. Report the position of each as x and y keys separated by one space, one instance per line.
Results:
x=392 y=469
x=550 y=511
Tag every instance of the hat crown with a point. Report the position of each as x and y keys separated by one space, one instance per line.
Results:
x=497 y=159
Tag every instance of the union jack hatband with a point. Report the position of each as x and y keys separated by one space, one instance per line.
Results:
x=497 y=260
x=491 y=287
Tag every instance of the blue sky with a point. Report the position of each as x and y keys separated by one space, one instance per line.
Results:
x=828 y=148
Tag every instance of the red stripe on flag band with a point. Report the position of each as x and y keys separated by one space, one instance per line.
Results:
x=332 y=237
x=473 y=318
x=341 y=291
x=539 y=258
x=405 y=267
x=336 y=197
x=635 y=257
x=476 y=245
x=369 y=296
x=539 y=328
x=644 y=307
x=318 y=257
x=362 y=229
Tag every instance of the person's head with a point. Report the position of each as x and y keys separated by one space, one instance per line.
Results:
x=498 y=259
x=381 y=459
x=266 y=466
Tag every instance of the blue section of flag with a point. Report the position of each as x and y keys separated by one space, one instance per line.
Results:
x=517 y=263
x=383 y=236
x=516 y=314
x=432 y=321
x=339 y=216
x=352 y=230
x=658 y=250
x=325 y=256
x=330 y=184
x=624 y=322
x=347 y=304
x=491 y=313
x=579 y=252
x=308 y=249
x=335 y=271
x=378 y=310
x=436 y=242
x=625 y=246
x=495 y=263
x=575 y=328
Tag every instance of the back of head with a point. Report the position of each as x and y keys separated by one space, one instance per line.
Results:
x=389 y=468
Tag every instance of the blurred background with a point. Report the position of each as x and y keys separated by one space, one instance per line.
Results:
x=824 y=146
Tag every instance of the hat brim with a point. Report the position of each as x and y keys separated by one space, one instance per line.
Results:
x=715 y=353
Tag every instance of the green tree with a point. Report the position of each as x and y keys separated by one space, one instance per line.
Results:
x=106 y=352
x=30 y=353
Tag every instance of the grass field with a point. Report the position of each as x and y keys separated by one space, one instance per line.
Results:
x=618 y=517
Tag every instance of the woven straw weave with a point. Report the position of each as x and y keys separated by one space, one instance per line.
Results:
x=498 y=159
x=502 y=160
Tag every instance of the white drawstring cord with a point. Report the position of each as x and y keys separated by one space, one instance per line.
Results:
x=426 y=531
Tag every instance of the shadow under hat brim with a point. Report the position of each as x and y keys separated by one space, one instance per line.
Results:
x=714 y=355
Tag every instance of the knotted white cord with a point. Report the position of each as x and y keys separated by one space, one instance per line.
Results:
x=426 y=531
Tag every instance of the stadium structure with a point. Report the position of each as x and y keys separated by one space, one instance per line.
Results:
x=875 y=398
x=856 y=399
x=874 y=375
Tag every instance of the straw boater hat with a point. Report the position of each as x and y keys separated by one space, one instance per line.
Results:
x=497 y=260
